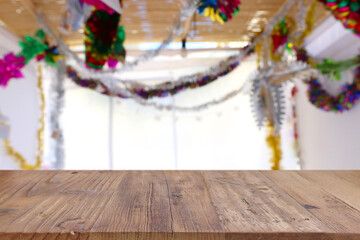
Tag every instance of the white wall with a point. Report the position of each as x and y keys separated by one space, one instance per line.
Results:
x=329 y=140
x=20 y=103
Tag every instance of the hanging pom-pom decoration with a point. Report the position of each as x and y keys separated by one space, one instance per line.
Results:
x=219 y=10
x=10 y=67
x=100 y=33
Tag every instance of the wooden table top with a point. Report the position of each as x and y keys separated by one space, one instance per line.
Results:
x=116 y=205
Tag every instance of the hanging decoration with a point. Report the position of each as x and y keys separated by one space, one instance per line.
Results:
x=219 y=10
x=100 y=34
x=148 y=92
x=33 y=46
x=16 y=156
x=347 y=12
x=57 y=95
x=267 y=102
x=273 y=141
x=344 y=101
x=280 y=34
x=10 y=67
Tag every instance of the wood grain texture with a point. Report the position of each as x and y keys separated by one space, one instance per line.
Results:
x=224 y=205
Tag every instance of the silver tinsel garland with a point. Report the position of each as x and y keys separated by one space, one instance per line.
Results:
x=57 y=92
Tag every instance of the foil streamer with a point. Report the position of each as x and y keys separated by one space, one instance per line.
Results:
x=57 y=95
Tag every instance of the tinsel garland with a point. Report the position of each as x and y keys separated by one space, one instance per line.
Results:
x=145 y=93
x=15 y=155
x=91 y=83
x=273 y=141
x=219 y=10
x=100 y=34
x=57 y=98
x=344 y=101
x=346 y=11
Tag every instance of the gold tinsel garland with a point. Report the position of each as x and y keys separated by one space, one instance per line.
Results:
x=274 y=142
x=16 y=156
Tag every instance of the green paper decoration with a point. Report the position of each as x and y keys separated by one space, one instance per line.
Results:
x=33 y=46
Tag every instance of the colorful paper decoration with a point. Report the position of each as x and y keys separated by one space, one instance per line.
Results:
x=33 y=46
x=346 y=11
x=100 y=33
x=10 y=67
x=280 y=34
x=219 y=10
x=344 y=101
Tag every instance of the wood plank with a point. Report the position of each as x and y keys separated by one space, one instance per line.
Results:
x=172 y=205
x=192 y=209
x=247 y=201
x=335 y=185
x=332 y=211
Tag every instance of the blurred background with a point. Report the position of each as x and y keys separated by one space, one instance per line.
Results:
x=84 y=129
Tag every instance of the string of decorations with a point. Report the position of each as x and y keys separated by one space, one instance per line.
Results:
x=15 y=155
x=148 y=92
x=219 y=10
x=347 y=12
